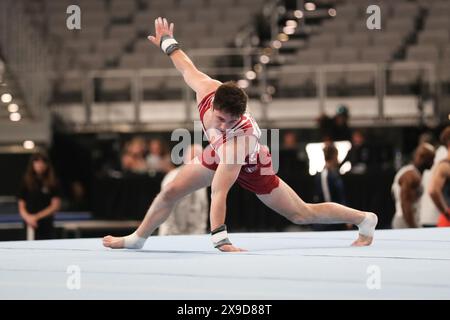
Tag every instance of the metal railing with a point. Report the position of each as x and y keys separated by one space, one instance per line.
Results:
x=263 y=78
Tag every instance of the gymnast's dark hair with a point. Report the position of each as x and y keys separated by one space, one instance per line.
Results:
x=230 y=99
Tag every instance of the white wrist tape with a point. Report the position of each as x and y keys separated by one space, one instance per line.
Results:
x=168 y=44
x=133 y=241
x=219 y=236
x=367 y=226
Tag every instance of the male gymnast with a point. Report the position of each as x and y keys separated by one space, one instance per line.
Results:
x=234 y=155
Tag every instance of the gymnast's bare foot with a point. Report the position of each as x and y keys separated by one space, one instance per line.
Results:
x=113 y=242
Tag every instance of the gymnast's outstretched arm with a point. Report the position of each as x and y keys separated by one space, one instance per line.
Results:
x=198 y=81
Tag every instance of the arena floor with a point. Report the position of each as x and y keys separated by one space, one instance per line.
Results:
x=401 y=264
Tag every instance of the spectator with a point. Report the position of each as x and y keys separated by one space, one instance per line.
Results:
x=426 y=137
x=336 y=128
x=329 y=186
x=78 y=197
x=359 y=154
x=292 y=160
x=108 y=157
x=190 y=215
x=407 y=190
x=290 y=141
x=133 y=157
x=158 y=159
x=39 y=197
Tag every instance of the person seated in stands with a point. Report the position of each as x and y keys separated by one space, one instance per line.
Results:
x=329 y=186
x=39 y=197
x=133 y=157
x=158 y=158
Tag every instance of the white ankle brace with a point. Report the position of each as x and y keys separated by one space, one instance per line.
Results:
x=133 y=241
x=367 y=226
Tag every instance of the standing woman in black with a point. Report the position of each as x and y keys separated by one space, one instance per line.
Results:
x=39 y=198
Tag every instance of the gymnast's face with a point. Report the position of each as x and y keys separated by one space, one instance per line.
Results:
x=223 y=121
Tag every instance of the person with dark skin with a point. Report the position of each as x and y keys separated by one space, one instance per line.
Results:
x=407 y=189
x=440 y=183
